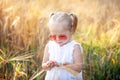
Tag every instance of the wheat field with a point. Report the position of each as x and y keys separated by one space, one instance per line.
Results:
x=24 y=34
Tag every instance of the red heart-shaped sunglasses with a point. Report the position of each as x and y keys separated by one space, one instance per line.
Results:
x=60 y=37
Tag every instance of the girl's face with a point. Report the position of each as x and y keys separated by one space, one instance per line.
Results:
x=60 y=35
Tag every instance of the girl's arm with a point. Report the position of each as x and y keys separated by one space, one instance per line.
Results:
x=46 y=63
x=45 y=58
x=77 y=57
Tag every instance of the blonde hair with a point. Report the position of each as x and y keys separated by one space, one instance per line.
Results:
x=68 y=19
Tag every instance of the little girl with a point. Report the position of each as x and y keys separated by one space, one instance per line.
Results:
x=62 y=56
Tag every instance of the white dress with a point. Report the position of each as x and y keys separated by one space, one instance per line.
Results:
x=61 y=54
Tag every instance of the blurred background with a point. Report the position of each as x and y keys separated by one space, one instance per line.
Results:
x=24 y=34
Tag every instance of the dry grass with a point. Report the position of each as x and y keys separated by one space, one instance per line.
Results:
x=23 y=24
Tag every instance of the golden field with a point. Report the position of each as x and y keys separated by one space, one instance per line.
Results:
x=24 y=34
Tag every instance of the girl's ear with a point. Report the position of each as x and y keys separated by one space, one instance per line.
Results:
x=72 y=30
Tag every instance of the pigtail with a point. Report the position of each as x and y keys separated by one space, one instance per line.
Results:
x=74 y=22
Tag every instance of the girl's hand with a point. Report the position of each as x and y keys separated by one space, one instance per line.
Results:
x=50 y=64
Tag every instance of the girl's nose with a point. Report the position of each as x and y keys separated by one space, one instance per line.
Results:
x=57 y=38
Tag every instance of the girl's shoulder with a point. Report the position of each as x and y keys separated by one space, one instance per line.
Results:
x=77 y=44
x=51 y=44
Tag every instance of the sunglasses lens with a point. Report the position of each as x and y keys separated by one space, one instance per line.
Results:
x=52 y=37
x=62 y=37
